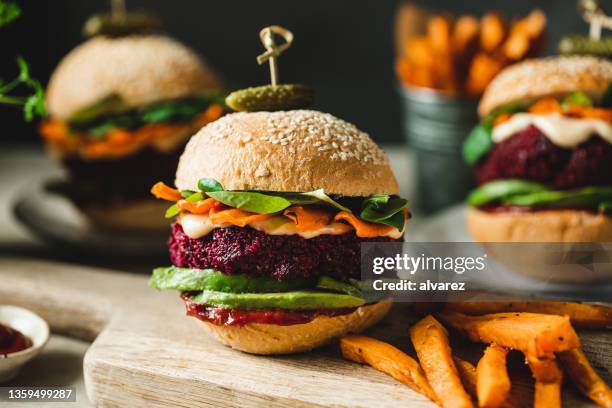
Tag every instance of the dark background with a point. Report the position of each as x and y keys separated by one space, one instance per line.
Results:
x=344 y=48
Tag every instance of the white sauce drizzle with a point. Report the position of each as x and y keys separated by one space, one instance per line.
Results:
x=561 y=130
x=198 y=226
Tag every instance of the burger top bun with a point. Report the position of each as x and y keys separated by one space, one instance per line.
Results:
x=537 y=78
x=293 y=151
x=141 y=69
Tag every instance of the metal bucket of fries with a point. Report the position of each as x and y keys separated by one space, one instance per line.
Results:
x=435 y=126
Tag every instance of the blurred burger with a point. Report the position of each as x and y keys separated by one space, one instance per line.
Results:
x=543 y=153
x=272 y=208
x=121 y=110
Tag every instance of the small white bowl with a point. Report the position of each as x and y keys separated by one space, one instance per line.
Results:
x=32 y=326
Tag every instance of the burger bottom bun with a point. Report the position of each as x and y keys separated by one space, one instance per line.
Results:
x=257 y=338
x=141 y=216
x=539 y=226
x=556 y=251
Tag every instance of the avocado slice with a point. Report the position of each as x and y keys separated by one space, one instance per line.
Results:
x=589 y=197
x=501 y=189
x=187 y=280
x=297 y=300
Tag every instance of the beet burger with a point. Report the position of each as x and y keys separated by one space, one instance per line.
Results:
x=121 y=110
x=271 y=210
x=543 y=154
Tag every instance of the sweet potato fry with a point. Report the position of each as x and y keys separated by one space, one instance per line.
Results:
x=492 y=32
x=430 y=341
x=534 y=334
x=543 y=370
x=581 y=315
x=439 y=32
x=548 y=388
x=547 y=395
x=464 y=43
x=388 y=359
x=465 y=35
x=467 y=373
x=493 y=382
x=482 y=70
x=578 y=368
x=535 y=23
x=418 y=51
x=524 y=34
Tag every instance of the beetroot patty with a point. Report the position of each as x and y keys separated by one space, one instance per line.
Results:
x=530 y=155
x=250 y=252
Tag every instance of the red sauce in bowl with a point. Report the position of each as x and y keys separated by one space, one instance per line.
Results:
x=12 y=340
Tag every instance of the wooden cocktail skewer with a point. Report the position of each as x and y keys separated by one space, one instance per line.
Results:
x=273 y=50
x=595 y=16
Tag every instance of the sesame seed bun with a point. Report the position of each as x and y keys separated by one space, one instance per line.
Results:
x=293 y=151
x=539 y=226
x=141 y=69
x=256 y=338
x=533 y=79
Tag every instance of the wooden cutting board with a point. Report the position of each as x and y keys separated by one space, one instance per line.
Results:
x=145 y=351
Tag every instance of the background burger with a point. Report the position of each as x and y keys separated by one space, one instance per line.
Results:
x=272 y=208
x=121 y=110
x=543 y=153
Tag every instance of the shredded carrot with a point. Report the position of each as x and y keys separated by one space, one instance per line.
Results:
x=235 y=216
x=545 y=106
x=364 y=229
x=589 y=112
x=212 y=113
x=120 y=142
x=200 y=207
x=162 y=191
x=504 y=117
x=308 y=218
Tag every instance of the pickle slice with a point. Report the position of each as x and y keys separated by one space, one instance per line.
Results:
x=271 y=98
x=584 y=45
x=133 y=23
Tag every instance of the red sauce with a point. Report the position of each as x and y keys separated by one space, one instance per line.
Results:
x=238 y=317
x=12 y=340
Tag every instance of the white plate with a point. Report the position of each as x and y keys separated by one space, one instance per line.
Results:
x=57 y=221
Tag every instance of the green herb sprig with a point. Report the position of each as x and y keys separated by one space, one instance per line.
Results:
x=33 y=103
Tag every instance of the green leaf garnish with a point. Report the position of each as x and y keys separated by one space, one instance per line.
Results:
x=498 y=190
x=112 y=112
x=251 y=201
x=172 y=211
x=577 y=98
x=32 y=104
x=208 y=184
x=8 y=12
x=321 y=196
x=187 y=193
x=384 y=209
x=478 y=143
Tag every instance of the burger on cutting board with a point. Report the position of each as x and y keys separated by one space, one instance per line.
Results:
x=543 y=154
x=122 y=106
x=271 y=209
